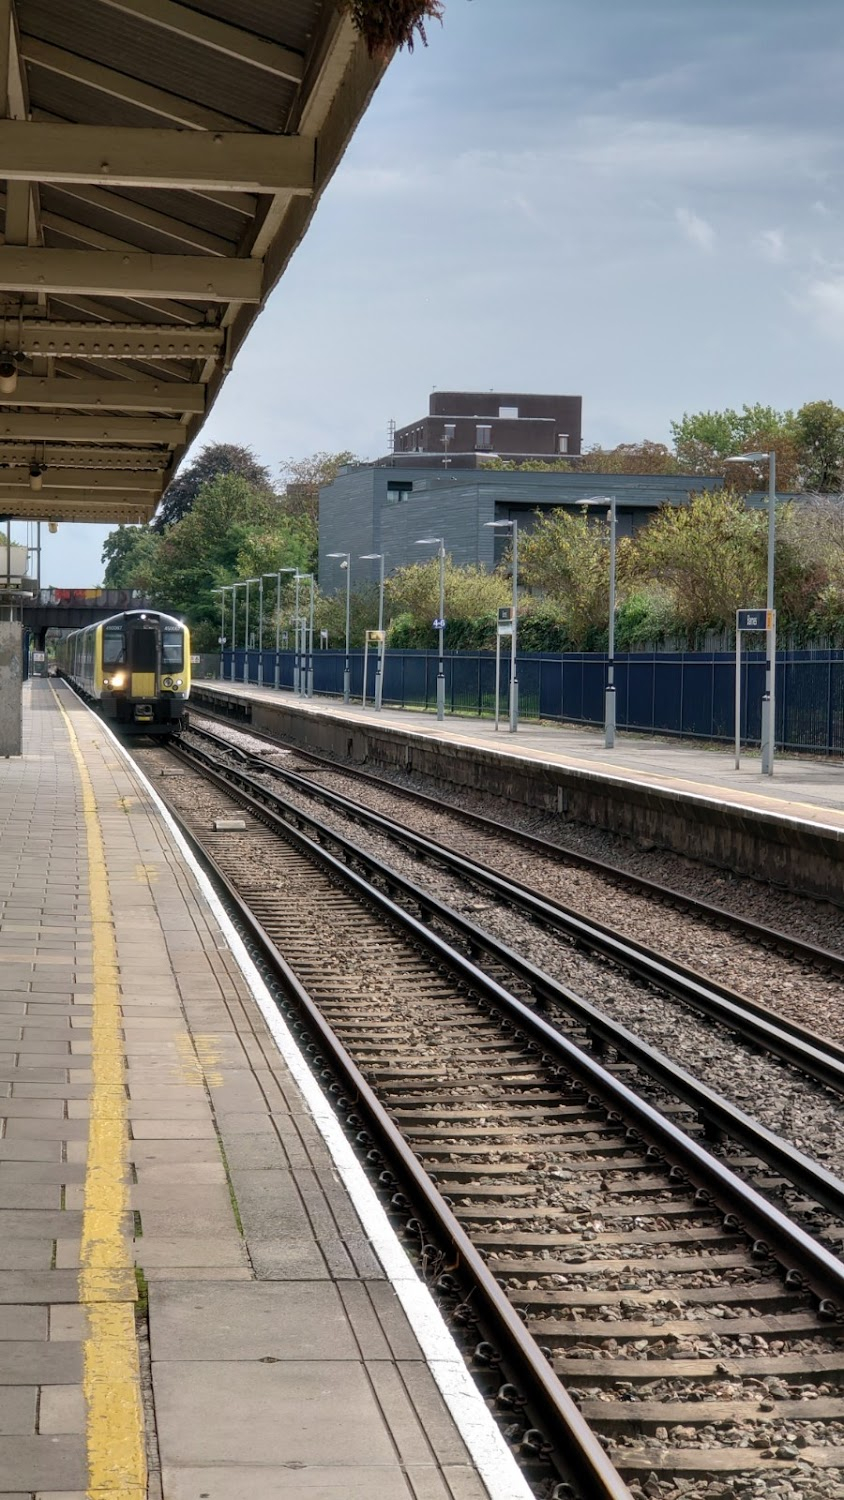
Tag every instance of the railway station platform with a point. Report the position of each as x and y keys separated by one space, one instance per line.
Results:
x=200 y=1296
x=788 y=828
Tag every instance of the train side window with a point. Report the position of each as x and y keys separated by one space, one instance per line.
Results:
x=173 y=650
x=114 y=646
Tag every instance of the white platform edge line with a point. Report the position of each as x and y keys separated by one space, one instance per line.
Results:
x=623 y=777
x=494 y=1461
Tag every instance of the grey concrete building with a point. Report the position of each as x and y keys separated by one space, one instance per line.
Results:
x=372 y=508
x=463 y=428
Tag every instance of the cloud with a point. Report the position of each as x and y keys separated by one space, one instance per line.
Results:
x=825 y=300
x=696 y=230
x=771 y=242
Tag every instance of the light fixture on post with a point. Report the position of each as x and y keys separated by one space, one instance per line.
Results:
x=609 y=695
x=514 y=680
x=36 y=475
x=769 y=718
x=347 y=669
x=439 y=623
x=8 y=371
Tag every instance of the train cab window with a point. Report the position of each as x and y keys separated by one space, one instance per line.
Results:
x=114 y=646
x=172 y=650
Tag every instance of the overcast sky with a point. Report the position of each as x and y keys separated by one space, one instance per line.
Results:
x=638 y=203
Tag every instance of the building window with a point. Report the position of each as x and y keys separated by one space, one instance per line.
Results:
x=562 y=442
x=509 y=412
x=449 y=430
x=483 y=436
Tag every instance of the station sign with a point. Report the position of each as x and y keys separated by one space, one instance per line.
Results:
x=505 y=614
x=505 y=627
x=755 y=619
x=439 y=624
x=375 y=637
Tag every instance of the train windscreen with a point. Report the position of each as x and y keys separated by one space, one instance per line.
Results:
x=144 y=650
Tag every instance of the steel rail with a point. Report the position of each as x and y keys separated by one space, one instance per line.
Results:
x=580 y=1452
x=718 y=916
x=819 y=1058
x=801 y=1256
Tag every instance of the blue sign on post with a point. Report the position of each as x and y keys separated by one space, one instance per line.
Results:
x=752 y=619
x=439 y=624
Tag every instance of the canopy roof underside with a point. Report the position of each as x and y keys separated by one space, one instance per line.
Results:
x=159 y=162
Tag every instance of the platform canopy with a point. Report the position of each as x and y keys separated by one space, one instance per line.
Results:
x=160 y=160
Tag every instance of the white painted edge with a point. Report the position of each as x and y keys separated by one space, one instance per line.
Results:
x=492 y=1458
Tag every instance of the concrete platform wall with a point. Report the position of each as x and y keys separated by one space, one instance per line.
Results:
x=788 y=853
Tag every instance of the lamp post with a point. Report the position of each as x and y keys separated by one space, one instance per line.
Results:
x=222 y=591
x=347 y=670
x=234 y=588
x=247 y=581
x=261 y=631
x=769 y=718
x=306 y=679
x=379 y=664
x=514 y=680
x=609 y=696
x=439 y=623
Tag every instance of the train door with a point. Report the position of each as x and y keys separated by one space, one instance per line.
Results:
x=143 y=661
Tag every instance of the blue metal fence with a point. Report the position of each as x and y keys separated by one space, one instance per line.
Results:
x=683 y=693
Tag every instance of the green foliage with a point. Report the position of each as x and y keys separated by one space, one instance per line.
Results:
x=473 y=598
x=645 y=617
x=304 y=478
x=819 y=430
x=566 y=557
x=129 y=554
x=710 y=557
x=212 y=461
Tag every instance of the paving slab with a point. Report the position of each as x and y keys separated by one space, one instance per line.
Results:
x=297 y=1320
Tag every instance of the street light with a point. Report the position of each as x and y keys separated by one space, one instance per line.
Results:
x=379 y=664
x=247 y=581
x=514 y=681
x=609 y=696
x=347 y=671
x=222 y=591
x=769 y=720
x=306 y=684
x=439 y=623
x=234 y=588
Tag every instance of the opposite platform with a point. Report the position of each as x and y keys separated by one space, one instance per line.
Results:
x=788 y=828
x=158 y=1158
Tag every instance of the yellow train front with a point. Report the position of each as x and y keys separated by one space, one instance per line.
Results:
x=135 y=667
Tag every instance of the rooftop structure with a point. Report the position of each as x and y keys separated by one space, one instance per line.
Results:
x=465 y=428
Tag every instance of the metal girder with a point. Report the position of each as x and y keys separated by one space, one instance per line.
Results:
x=69 y=506
x=119 y=341
x=43 y=427
x=231 y=41
x=143 y=482
x=128 y=460
x=116 y=85
x=134 y=156
x=139 y=395
x=47 y=498
x=180 y=277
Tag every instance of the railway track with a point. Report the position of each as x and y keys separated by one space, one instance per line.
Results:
x=695 y=1325
x=501 y=847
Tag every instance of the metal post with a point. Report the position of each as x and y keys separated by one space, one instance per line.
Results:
x=497 y=674
x=365 y=666
x=347 y=669
x=246 y=652
x=441 y=635
x=769 y=721
x=309 y=655
x=222 y=627
x=514 y=680
x=379 y=665
x=297 y=661
x=261 y=631
x=234 y=629
x=278 y=630
x=38 y=557
x=738 y=695
x=609 y=711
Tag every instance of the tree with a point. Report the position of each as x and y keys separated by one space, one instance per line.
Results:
x=644 y=457
x=820 y=437
x=129 y=554
x=710 y=556
x=473 y=597
x=213 y=460
x=703 y=441
x=305 y=477
x=567 y=557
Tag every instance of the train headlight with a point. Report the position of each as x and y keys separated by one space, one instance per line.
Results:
x=117 y=681
x=171 y=682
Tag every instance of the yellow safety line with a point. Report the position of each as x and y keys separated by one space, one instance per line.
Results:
x=112 y=1384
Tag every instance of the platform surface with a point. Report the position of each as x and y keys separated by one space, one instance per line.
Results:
x=808 y=790
x=150 y=1122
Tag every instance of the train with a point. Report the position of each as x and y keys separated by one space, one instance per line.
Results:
x=135 y=667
